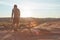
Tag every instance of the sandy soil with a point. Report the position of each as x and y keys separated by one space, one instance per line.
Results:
x=18 y=35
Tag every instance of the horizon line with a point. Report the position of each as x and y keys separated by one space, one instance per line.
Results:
x=32 y=17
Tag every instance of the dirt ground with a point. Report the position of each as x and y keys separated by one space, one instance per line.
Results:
x=19 y=35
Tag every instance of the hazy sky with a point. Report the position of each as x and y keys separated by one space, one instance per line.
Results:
x=31 y=8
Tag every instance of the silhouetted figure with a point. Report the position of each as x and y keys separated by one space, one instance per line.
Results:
x=15 y=17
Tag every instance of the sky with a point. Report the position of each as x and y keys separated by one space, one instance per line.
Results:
x=31 y=8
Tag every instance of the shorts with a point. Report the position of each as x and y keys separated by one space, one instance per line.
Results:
x=16 y=20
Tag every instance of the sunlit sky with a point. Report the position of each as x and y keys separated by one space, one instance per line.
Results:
x=31 y=8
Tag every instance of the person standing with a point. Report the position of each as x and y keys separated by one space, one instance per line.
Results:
x=15 y=17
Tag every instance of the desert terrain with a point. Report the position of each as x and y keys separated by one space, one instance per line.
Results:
x=31 y=29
